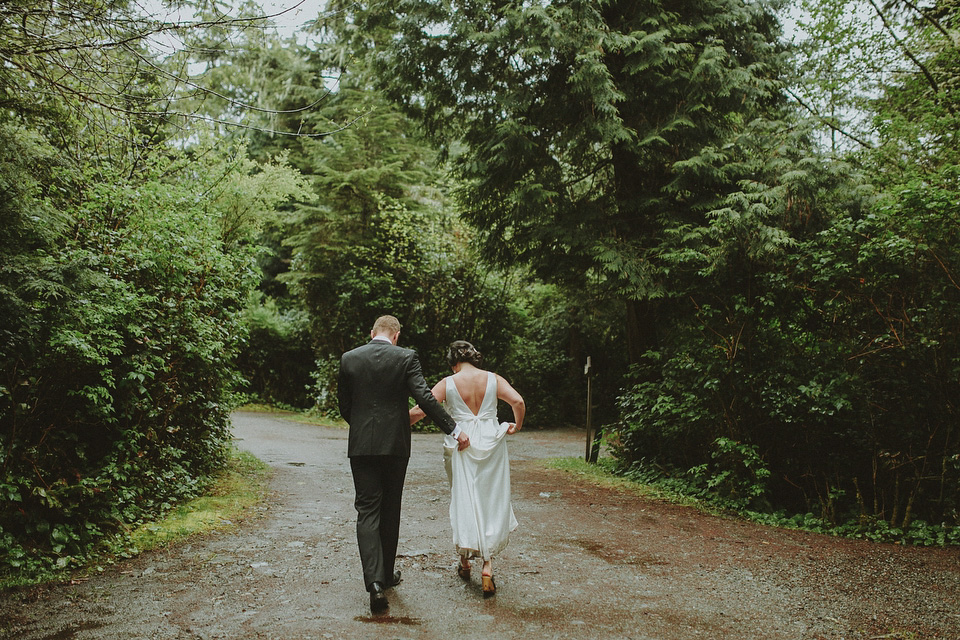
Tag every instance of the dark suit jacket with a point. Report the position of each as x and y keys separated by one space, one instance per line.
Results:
x=374 y=385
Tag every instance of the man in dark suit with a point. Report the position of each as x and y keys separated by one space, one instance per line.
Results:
x=375 y=383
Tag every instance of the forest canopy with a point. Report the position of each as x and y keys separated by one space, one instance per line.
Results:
x=751 y=232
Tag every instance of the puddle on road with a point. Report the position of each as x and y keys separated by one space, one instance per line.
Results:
x=405 y=620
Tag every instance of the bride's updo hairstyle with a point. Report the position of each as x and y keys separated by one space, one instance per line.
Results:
x=463 y=351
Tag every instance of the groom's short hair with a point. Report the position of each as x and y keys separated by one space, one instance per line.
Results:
x=386 y=324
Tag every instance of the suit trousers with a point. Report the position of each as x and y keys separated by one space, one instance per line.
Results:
x=378 y=481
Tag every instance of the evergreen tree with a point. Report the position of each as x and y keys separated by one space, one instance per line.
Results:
x=817 y=374
x=583 y=133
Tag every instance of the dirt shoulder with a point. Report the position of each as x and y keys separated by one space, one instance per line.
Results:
x=586 y=562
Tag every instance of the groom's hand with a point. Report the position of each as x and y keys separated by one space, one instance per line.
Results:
x=463 y=441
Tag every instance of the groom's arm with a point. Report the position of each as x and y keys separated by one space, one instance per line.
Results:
x=418 y=388
x=344 y=397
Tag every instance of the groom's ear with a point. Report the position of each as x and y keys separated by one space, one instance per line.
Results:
x=395 y=338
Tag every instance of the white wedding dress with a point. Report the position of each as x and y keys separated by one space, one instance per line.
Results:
x=480 y=510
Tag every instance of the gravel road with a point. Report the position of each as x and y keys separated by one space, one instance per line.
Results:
x=584 y=563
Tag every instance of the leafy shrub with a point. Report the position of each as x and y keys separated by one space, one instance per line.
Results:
x=122 y=326
x=324 y=387
x=276 y=359
x=832 y=364
x=553 y=331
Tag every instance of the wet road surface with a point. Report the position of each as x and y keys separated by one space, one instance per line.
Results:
x=584 y=563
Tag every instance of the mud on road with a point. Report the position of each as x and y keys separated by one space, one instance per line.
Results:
x=585 y=562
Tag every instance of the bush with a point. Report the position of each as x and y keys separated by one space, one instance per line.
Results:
x=276 y=359
x=832 y=365
x=121 y=323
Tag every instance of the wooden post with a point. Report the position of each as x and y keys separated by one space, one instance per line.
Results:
x=588 y=371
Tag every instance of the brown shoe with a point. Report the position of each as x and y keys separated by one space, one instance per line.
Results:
x=489 y=586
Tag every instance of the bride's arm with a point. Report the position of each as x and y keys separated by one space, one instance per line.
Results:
x=509 y=395
x=439 y=392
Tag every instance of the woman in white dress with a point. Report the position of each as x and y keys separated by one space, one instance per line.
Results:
x=481 y=514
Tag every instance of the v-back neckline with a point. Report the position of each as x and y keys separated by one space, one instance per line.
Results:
x=475 y=414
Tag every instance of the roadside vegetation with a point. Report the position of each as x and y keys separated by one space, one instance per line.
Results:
x=232 y=493
x=229 y=498
x=689 y=491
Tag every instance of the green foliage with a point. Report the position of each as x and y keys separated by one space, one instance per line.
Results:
x=276 y=359
x=382 y=239
x=829 y=359
x=581 y=136
x=122 y=304
x=232 y=491
x=580 y=133
x=736 y=473
x=229 y=493
x=323 y=391
x=791 y=318
x=383 y=236
x=820 y=324
x=844 y=60
x=405 y=268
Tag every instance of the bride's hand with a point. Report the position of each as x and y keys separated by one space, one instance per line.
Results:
x=512 y=428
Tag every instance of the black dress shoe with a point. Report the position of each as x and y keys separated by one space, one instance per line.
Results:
x=378 y=599
x=395 y=581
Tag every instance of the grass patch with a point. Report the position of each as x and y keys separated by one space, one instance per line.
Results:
x=602 y=474
x=233 y=491
x=303 y=417
x=259 y=407
x=307 y=416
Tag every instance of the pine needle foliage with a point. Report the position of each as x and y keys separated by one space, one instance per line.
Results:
x=581 y=133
